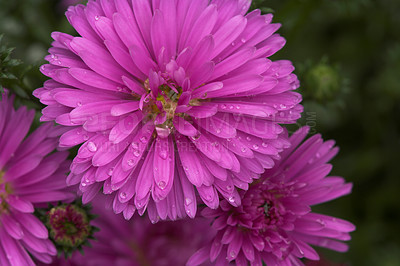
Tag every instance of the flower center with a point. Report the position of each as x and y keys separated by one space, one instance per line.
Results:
x=69 y=225
x=5 y=190
x=160 y=105
x=272 y=213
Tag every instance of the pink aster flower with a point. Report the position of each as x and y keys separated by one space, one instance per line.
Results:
x=168 y=98
x=275 y=224
x=138 y=242
x=29 y=176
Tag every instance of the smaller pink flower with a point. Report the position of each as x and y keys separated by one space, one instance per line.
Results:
x=30 y=176
x=275 y=224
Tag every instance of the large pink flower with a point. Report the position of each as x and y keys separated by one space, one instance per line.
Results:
x=29 y=177
x=169 y=97
x=275 y=224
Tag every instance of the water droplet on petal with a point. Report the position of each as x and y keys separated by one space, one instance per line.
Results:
x=162 y=185
x=231 y=199
x=244 y=149
x=163 y=155
x=110 y=171
x=194 y=138
x=256 y=147
x=79 y=104
x=248 y=138
x=135 y=145
x=218 y=130
x=85 y=137
x=131 y=162
x=122 y=195
x=97 y=18
x=83 y=184
x=223 y=106
x=136 y=153
x=264 y=144
x=188 y=201
x=92 y=146
x=231 y=107
x=229 y=187
x=232 y=254
x=143 y=139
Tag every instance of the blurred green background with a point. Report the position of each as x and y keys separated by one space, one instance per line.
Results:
x=347 y=56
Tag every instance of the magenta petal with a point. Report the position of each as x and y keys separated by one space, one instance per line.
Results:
x=30 y=222
x=21 y=205
x=12 y=227
x=125 y=127
x=164 y=164
x=145 y=180
x=184 y=127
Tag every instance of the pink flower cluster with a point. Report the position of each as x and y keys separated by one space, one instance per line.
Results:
x=174 y=105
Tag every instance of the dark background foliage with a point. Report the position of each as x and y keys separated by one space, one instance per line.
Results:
x=347 y=56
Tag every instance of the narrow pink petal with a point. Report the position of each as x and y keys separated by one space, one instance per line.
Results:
x=22 y=205
x=164 y=166
x=184 y=127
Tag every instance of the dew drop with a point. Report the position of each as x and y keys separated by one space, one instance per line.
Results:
x=264 y=144
x=229 y=140
x=135 y=145
x=243 y=40
x=223 y=106
x=194 y=138
x=237 y=107
x=231 y=107
x=131 y=162
x=244 y=149
x=85 y=137
x=122 y=195
x=248 y=138
x=256 y=147
x=163 y=155
x=231 y=199
x=218 y=130
x=229 y=187
x=110 y=171
x=83 y=184
x=79 y=104
x=232 y=254
x=162 y=185
x=136 y=153
x=97 y=18
x=91 y=146
x=188 y=201
x=143 y=139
